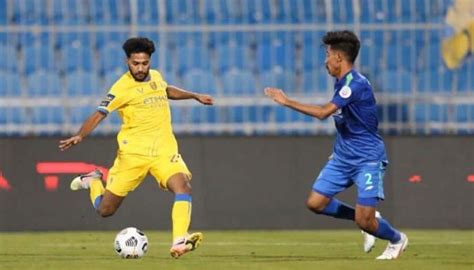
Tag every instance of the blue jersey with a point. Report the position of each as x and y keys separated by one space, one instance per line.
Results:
x=357 y=141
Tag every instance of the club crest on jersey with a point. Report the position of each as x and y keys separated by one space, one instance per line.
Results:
x=153 y=85
x=345 y=92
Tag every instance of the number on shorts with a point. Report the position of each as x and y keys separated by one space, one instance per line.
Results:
x=369 y=179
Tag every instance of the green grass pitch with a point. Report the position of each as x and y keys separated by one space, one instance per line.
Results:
x=262 y=250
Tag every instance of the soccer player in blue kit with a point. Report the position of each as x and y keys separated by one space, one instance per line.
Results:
x=359 y=152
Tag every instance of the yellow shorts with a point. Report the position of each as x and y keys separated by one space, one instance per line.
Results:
x=129 y=170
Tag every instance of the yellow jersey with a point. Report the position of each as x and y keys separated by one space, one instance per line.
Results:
x=145 y=113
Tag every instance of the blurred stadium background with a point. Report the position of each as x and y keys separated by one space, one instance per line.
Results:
x=252 y=161
x=58 y=58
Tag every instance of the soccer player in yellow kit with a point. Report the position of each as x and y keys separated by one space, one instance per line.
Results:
x=146 y=143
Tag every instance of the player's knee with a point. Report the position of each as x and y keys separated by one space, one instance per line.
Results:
x=180 y=186
x=315 y=206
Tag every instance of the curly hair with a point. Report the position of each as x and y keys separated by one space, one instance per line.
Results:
x=138 y=45
x=344 y=41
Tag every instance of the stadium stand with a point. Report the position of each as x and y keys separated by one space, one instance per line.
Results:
x=58 y=49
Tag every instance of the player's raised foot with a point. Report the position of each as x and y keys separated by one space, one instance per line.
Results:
x=83 y=181
x=190 y=243
x=393 y=251
x=369 y=240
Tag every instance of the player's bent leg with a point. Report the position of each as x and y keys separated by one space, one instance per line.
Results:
x=109 y=204
x=366 y=220
x=316 y=202
x=322 y=204
x=181 y=216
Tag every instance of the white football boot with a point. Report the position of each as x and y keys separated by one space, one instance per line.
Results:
x=83 y=181
x=369 y=240
x=393 y=251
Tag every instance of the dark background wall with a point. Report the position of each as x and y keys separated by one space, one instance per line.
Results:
x=240 y=183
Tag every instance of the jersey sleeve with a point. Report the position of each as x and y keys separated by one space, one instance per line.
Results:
x=113 y=100
x=346 y=95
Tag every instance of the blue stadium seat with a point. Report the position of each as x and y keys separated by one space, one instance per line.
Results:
x=280 y=79
x=28 y=12
x=435 y=81
x=44 y=83
x=103 y=39
x=79 y=114
x=39 y=56
x=239 y=82
x=111 y=58
x=276 y=55
x=315 y=81
x=399 y=82
x=83 y=83
x=110 y=12
x=78 y=58
x=192 y=57
x=182 y=12
x=431 y=113
x=70 y=12
x=233 y=56
x=8 y=54
x=75 y=39
x=462 y=113
x=313 y=11
x=400 y=57
x=170 y=77
x=203 y=114
x=149 y=12
x=12 y=115
x=200 y=81
x=465 y=77
x=216 y=39
x=3 y=12
x=372 y=11
x=12 y=121
x=432 y=56
x=313 y=56
x=10 y=84
x=48 y=115
x=343 y=11
x=177 y=115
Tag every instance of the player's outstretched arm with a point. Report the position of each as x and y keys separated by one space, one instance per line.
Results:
x=87 y=127
x=320 y=112
x=176 y=93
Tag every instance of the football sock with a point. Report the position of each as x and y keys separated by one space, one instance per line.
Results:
x=338 y=209
x=96 y=192
x=181 y=215
x=386 y=231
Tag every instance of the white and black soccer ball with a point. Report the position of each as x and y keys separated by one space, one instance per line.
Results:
x=131 y=243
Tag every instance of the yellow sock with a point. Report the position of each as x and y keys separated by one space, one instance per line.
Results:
x=96 y=192
x=181 y=215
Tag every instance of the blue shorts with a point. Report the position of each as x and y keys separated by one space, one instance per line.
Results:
x=337 y=176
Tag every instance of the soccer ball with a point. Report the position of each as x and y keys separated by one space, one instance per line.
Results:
x=131 y=243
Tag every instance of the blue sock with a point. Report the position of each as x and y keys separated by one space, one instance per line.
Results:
x=338 y=209
x=387 y=232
